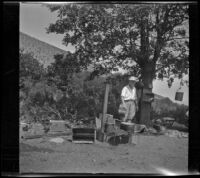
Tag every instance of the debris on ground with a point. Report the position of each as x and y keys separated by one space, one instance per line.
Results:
x=118 y=139
x=33 y=129
x=179 y=127
x=152 y=130
x=168 y=121
x=57 y=140
x=37 y=129
x=159 y=128
x=139 y=128
x=101 y=157
x=176 y=133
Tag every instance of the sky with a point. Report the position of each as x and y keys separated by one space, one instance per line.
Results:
x=35 y=18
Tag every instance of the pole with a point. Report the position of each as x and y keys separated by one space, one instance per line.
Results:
x=140 y=113
x=105 y=107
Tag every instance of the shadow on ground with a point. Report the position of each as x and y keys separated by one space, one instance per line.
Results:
x=28 y=148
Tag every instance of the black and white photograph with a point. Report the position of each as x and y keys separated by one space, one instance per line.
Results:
x=104 y=87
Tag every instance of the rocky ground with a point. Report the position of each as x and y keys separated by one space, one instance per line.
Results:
x=152 y=154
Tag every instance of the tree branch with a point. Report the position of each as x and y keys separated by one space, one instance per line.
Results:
x=178 y=38
x=162 y=67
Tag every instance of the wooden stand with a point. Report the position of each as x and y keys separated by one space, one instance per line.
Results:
x=102 y=135
x=105 y=107
x=83 y=135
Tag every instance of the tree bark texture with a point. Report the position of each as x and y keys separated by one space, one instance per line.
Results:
x=145 y=104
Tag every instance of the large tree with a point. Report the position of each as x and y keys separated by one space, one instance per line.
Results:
x=147 y=40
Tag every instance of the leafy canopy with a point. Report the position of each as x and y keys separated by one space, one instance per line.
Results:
x=131 y=36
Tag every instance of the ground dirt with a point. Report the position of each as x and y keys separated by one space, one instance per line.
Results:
x=151 y=154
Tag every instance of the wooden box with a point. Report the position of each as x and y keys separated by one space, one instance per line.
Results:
x=57 y=126
x=83 y=135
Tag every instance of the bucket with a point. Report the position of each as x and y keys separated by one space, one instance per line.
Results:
x=129 y=127
x=120 y=139
x=179 y=96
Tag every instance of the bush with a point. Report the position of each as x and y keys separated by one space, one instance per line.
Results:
x=64 y=94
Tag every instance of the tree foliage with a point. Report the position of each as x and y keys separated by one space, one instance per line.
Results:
x=45 y=97
x=149 y=41
x=38 y=99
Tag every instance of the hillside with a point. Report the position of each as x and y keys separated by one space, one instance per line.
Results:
x=42 y=51
x=161 y=103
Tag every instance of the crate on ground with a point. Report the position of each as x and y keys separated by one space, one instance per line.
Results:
x=83 y=135
x=57 y=125
x=32 y=130
x=108 y=118
x=23 y=129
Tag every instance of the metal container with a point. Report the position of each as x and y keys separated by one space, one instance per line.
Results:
x=179 y=96
x=129 y=127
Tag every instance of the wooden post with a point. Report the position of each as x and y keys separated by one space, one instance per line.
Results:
x=105 y=105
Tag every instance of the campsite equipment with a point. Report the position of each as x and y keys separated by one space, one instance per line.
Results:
x=148 y=97
x=159 y=128
x=101 y=135
x=110 y=130
x=107 y=122
x=129 y=127
x=117 y=123
x=109 y=127
x=83 y=135
x=140 y=128
x=117 y=136
x=49 y=134
x=57 y=125
x=113 y=134
x=179 y=94
x=108 y=118
x=168 y=121
x=105 y=106
x=118 y=139
x=39 y=129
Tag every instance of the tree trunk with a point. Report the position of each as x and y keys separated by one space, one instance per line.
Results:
x=145 y=105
